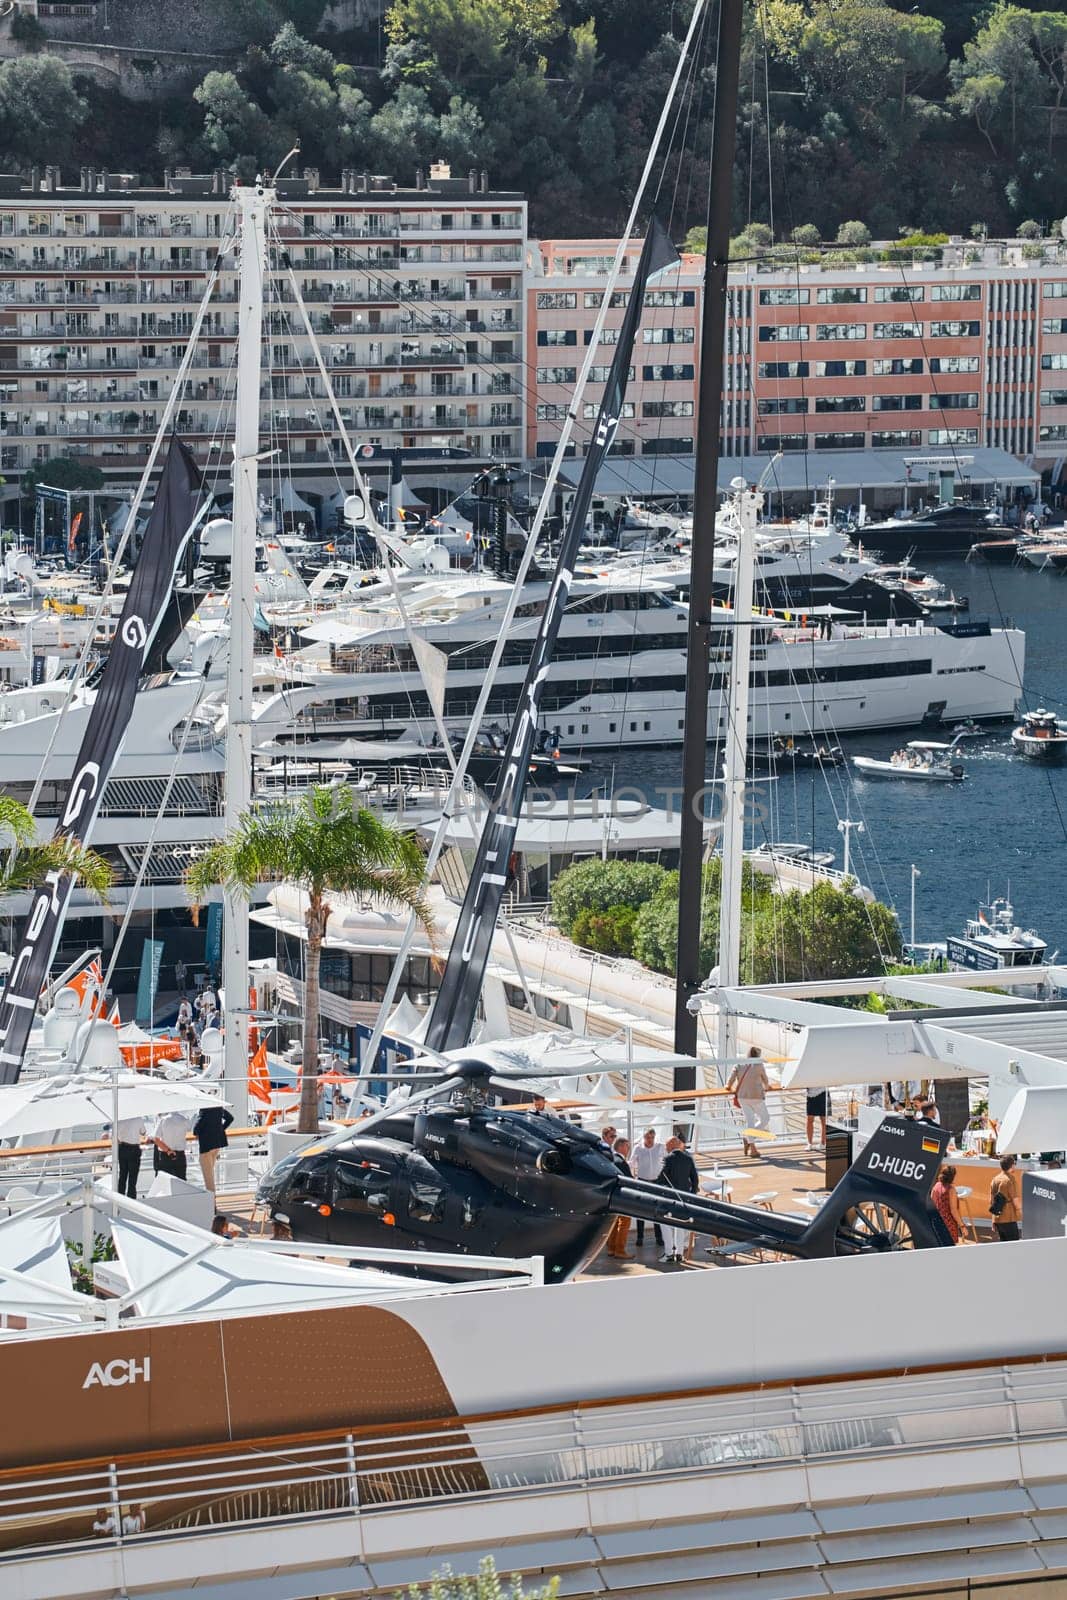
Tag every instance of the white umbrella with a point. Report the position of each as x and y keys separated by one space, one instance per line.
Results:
x=87 y=1099
x=35 y=1278
x=131 y=1033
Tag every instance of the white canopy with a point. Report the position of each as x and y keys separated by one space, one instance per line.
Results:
x=87 y=1100
x=1036 y=1119
x=290 y=501
x=33 y=1248
x=223 y=1275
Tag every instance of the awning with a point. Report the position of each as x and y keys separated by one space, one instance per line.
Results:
x=663 y=477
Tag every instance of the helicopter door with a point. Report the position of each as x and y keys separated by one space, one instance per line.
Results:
x=362 y=1197
x=307 y=1203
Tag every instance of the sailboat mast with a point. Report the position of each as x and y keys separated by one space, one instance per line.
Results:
x=705 y=502
x=735 y=771
x=253 y=203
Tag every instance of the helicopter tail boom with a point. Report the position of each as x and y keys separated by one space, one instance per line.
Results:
x=652 y=1202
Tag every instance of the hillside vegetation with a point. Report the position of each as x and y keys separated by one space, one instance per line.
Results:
x=937 y=117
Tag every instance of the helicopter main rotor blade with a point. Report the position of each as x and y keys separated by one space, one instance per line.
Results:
x=358 y=1129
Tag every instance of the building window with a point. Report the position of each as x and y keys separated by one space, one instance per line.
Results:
x=783 y=332
x=602 y=374
x=954 y=402
x=840 y=369
x=500 y=444
x=841 y=330
x=898 y=293
x=549 y=413
x=839 y=441
x=1054 y=325
x=619 y=300
x=675 y=374
x=784 y=297
x=1057 y=362
x=839 y=402
x=1053 y=433
x=773 y=442
x=898 y=438
x=783 y=369
x=782 y=408
x=556 y=336
x=845 y=295
x=898 y=330
x=898 y=367
x=667 y=335
x=591 y=409
x=1054 y=397
x=557 y=374
x=680 y=446
x=1053 y=291
x=669 y=297
x=607 y=336
x=666 y=408
x=557 y=300
x=896 y=402
x=953 y=436
x=953 y=330
x=956 y=291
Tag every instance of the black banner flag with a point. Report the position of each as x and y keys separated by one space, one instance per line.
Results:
x=172 y=521
x=461 y=984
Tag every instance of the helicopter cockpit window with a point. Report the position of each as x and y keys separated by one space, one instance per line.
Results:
x=426 y=1203
x=311 y=1183
x=361 y=1189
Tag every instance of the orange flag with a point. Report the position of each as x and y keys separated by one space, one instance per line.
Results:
x=259 y=1075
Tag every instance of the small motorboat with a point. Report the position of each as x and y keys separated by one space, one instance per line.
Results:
x=783 y=750
x=921 y=761
x=968 y=730
x=1040 y=737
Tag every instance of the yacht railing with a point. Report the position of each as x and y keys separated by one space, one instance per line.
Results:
x=460 y=1462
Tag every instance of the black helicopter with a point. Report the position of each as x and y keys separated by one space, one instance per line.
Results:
x=450 y=1169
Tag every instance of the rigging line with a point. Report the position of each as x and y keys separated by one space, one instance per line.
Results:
x=551 y=479
x=767 y=113
x=682 y=98
x=146 y=853
x=171 y=405
x=909 y=302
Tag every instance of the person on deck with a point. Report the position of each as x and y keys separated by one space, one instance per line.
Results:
x=680 y=1173
x=647 y=1164
x=749 y=1084
x=946 y=1201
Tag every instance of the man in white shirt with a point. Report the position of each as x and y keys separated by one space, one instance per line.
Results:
x=130 y=1131
x=647 y=1164
x=206 y=1002
x=172 y=1130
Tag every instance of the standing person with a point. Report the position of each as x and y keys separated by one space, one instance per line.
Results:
x=680 y=1173
x=749 y=1084
x=609 y=1136
x=620 y=1228
x=210 y=1129
x=539 y=1107
x=947 y=1201
x=185 y=1013
x=180 y=970
x=928 y=1112
x=647 y=1165
x=206 y=1003
x=1004 y=1199
x=816 y=1107
x=131 y=1131
x=172 y=1130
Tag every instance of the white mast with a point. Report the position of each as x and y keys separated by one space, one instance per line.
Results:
x=749 y=503
x=253 y=205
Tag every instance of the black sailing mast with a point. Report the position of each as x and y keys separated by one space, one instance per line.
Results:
x=705 y=505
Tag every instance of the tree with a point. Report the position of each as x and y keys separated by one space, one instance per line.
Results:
x=24 y=863
x=235 y=128
x=323 y=843
x=486 y=1585
x=807 y=235
x=40 y=109
x=63 y=472
x=603 y=886
x=856 y=234
x=999 y=77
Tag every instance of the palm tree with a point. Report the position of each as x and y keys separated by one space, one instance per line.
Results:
x=24 y=862
x=325 y=844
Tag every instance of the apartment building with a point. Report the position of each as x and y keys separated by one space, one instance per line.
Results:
x=969 y=350
x=415 y=296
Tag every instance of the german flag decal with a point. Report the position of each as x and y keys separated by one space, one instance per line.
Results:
x=930 y=1146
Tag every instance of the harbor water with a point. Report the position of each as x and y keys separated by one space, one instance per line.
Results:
x=1003 y=829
